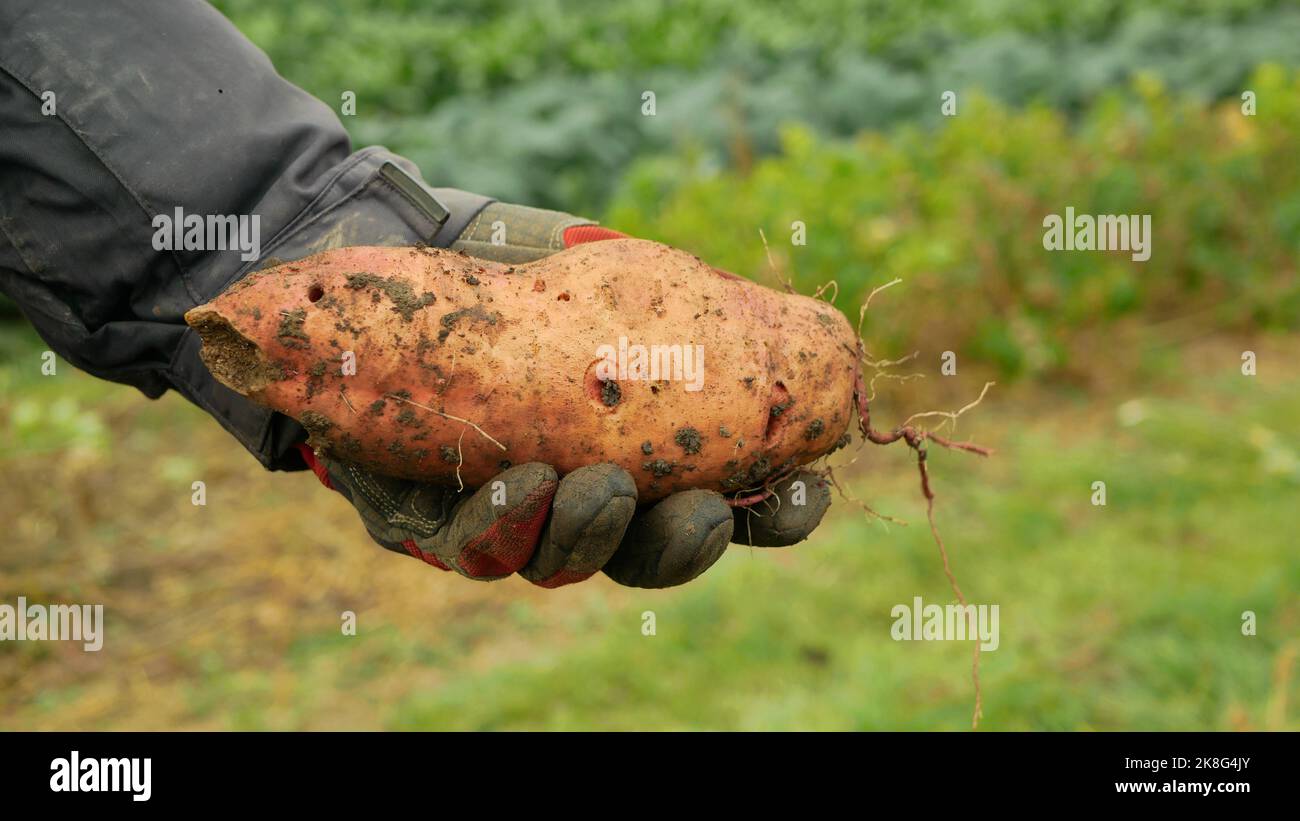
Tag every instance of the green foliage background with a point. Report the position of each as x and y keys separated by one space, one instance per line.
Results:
x=957 y=213
x=536 y=102
x=1126 y=616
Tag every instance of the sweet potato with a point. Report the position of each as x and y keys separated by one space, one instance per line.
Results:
x=463 y=367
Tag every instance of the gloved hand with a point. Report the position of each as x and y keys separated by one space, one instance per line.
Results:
x=559 y=531
x=79 y=253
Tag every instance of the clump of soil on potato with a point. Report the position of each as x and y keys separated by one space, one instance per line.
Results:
x=659 y=467
x=474 y=314
x=689 y=439
x=610 y=393
x=754 y=476
x=398 y=291
x=317 y=426
x=290 y=332
x=231 y=357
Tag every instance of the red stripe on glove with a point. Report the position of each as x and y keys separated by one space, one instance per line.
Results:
x=309 y=456
x=427 y=558
x=578 y=234
x=510 y=541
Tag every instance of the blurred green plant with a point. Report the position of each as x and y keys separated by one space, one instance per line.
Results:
x=540 y=102
x=38 y=415
x=1123 y=617
x=405 y=56
x=957 y=212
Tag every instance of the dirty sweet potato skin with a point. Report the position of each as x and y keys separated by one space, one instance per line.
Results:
x=435 y=334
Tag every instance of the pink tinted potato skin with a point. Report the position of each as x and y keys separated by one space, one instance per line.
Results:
x=519 y=352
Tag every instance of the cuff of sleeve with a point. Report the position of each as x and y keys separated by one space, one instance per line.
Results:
x=271 y=437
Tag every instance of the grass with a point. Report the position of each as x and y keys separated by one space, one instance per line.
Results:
x=1126 y=616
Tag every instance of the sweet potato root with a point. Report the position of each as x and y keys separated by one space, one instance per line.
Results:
x=463 y=366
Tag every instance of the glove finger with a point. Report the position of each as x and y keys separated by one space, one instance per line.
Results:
x=674 y=541
x=494 y=532
x=793 y=511
x=589 y=515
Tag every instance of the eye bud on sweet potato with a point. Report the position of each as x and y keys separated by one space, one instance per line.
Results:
x=429 y=364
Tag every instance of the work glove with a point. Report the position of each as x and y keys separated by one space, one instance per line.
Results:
x=555 y=531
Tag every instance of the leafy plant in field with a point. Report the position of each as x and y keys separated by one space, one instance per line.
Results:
x=403 y=57
x=957 y=212
x=562 y=139
x=539 y=102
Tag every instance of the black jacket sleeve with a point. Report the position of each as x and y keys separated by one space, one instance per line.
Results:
x=113 y=112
